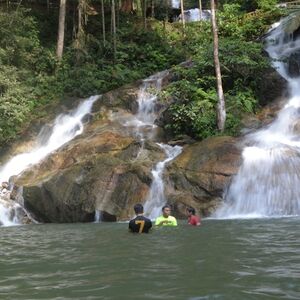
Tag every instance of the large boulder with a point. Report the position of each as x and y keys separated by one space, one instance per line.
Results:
x=97 y=172
x=199 y=176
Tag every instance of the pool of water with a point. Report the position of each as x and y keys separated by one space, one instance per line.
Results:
x=222 y=259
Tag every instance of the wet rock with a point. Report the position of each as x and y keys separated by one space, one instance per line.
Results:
x=199 y=176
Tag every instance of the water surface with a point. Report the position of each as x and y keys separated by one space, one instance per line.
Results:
x=223 y=259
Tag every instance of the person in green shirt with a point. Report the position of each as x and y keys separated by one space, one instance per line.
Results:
x=166 y=219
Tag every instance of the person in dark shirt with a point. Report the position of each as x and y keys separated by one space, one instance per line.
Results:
x=139 y=224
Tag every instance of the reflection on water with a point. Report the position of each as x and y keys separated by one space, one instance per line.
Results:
x=233 y=259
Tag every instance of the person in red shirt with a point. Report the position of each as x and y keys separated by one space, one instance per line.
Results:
x=192 y=218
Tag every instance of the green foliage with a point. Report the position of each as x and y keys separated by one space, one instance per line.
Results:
x=266 y=4
x=31 y=76
x=19 y=45
x=14 y=102
x=243 y=64
x=192 y=111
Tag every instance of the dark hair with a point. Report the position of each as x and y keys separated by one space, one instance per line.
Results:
x=191 y=210
x=138 y=208
x=165 y=206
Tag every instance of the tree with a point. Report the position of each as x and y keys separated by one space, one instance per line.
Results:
x=103 y=21
x=221 y=111
x=114 y=30
x=200 y=10
x=126 y=6
x=144 y=12
x=182 y=15
x=61 y=29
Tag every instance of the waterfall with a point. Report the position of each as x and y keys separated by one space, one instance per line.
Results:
x=268 y=181
x=65 y=128
x=97 y=216
x=193 y=15
x=144 y=126
x=175 y=3
x=156 y=198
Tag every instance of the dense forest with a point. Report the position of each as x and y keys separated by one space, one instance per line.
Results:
x=48 y=54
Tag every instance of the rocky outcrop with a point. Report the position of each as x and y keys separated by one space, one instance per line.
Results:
x=97 y=171
x=200 y=175
x=107 y=169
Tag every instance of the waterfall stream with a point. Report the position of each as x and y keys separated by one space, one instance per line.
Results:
x=268 y=181
x=65 y=128
x=144 y=127
x=156 y=198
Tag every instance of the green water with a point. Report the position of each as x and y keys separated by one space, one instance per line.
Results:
x=223 y=259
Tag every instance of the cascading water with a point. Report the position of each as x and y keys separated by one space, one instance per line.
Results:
x=156 y=198
x=268 y=182
x=143 y=120
x=65 y=128
x=193 y=15
x=175 y=3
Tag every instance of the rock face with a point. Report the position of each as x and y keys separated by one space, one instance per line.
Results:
x=107 y=169
x=97 y=171
x=199 y=176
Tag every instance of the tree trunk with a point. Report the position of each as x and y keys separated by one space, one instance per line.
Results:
x=221 y=111
x=103 y=21
x=61 y=29
x=113 y=25
x=152 y=9
x=126 y=6
x=182 y=16
x=144 y=7
x=200 y=9
x=117 y=13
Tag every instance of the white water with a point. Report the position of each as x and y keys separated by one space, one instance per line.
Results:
x=65 y=128
x=175 y=3
x=268 y=182
x=156 y=198
x=143 y=121
x=193 y=15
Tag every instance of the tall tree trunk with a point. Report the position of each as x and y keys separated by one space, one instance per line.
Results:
x=182 y=16
x=126 y=6
x=144 y=8
x=200 y=9
x=152 y=9
x=221 y=111
x=103 y=21
x=117 y=13
x=61 y=29
x=114 y=30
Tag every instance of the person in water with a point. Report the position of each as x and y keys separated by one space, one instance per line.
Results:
x=166 y=219
x=139 y=224
x=192 y=218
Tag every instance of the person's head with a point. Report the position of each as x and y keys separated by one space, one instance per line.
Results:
x=190 y=211
x=166 y=210
x=138 y=208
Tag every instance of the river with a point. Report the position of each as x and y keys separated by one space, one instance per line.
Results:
x=222 y=259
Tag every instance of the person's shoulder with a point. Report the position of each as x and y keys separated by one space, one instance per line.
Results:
x=172 y=218
x=147 y=219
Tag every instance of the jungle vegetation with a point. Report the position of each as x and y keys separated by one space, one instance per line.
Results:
x=108 y=43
